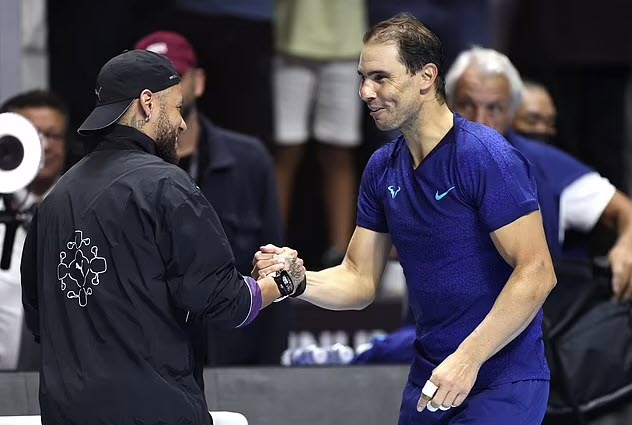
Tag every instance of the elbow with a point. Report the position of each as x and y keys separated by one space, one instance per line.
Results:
x=551 y=278
x=548 y=279
x=368 y=296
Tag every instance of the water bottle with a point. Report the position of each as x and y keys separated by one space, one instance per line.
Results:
x=339 y=354
x=309 y=356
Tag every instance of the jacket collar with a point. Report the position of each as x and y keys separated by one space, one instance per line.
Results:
x=122 y=137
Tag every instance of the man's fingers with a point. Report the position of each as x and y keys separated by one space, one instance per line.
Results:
x=289 y=252
x=427 y=392
x=422 y=403
x=439 y=399
x=264 y=267
x=448 y=402
x=617 y=280
x=271 y=249
x=458 y=400
x=261 y=256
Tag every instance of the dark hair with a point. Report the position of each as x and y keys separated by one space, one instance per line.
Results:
x=35 y=99
x=532 y=84
x=417 y=45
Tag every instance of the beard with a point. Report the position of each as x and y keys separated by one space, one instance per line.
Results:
x=166 y=140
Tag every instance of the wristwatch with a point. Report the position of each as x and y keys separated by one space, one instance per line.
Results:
x=284 y=283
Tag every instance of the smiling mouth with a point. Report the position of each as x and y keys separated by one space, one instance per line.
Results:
x=375 y=111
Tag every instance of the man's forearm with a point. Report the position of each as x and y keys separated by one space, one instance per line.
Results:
x=516 y=306
x=339 y=288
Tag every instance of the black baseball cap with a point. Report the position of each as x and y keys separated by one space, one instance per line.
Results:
x=121 y=80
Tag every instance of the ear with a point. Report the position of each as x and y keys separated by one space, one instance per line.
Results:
x=199 y=81
x=147 y=102
x=427 y=77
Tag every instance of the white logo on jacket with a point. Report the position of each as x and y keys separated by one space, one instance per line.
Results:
x=81 y=270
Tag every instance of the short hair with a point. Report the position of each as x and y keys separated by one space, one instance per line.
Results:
x=417 y=45
x=490 y=62
x=531 y=84
x=36 y=99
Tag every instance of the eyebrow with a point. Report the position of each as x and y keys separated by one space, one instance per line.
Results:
x=374 y=72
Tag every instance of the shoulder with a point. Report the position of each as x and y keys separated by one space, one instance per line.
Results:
x=242 y=146
x=171 y=184
x=480 y=145
x=538 y=152
x=382 y=157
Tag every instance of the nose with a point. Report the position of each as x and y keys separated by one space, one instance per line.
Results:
x=481 y=116
x=367 y=93
x=183 y=125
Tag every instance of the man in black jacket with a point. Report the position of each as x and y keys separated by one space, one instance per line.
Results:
x=125 y=258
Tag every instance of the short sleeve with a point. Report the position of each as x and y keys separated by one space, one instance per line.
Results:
x=498 y=181
x=370 y=207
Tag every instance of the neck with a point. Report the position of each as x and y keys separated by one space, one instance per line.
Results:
x=188 y=141
x=424 y=133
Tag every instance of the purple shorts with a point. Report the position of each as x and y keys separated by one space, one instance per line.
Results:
x=516 y=403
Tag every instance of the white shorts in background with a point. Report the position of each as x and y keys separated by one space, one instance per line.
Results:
x=319 y=95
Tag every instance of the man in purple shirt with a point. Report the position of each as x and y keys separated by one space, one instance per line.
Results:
x=460 y=205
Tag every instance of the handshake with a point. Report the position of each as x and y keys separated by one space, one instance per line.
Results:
x=281 y=263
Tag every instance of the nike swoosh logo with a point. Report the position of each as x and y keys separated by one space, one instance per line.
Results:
x=439 y=197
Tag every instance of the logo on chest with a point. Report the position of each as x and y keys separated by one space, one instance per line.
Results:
x=440 y=196
x=394 y=190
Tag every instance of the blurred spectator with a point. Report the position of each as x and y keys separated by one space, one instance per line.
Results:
x=484 y=86
x=236 y=174
x=536 y=115
x=316 y=94
x=49 y=116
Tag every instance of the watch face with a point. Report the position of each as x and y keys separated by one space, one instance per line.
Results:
x=284 y=282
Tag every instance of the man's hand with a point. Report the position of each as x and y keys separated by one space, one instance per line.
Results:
x=620 y=260
x=454 y=379
x=270 y=259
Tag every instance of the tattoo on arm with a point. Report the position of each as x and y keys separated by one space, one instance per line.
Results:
x=295 y=272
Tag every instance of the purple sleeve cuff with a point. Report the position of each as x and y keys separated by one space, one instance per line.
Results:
x=255 y=300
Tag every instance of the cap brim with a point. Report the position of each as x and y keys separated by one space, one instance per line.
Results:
x=104 y=116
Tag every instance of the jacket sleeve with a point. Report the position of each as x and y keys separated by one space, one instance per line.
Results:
x=28 y=273
x=201 y=275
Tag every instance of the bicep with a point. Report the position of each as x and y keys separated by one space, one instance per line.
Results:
x=367 y=253
x=619 y=205
x=522 y=241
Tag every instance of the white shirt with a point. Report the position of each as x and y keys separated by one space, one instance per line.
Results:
x=11 y=310
x=583 y=202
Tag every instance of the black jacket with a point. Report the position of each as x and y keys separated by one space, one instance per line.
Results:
x=123 y=259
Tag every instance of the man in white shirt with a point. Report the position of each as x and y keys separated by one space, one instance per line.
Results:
x=49 y=116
